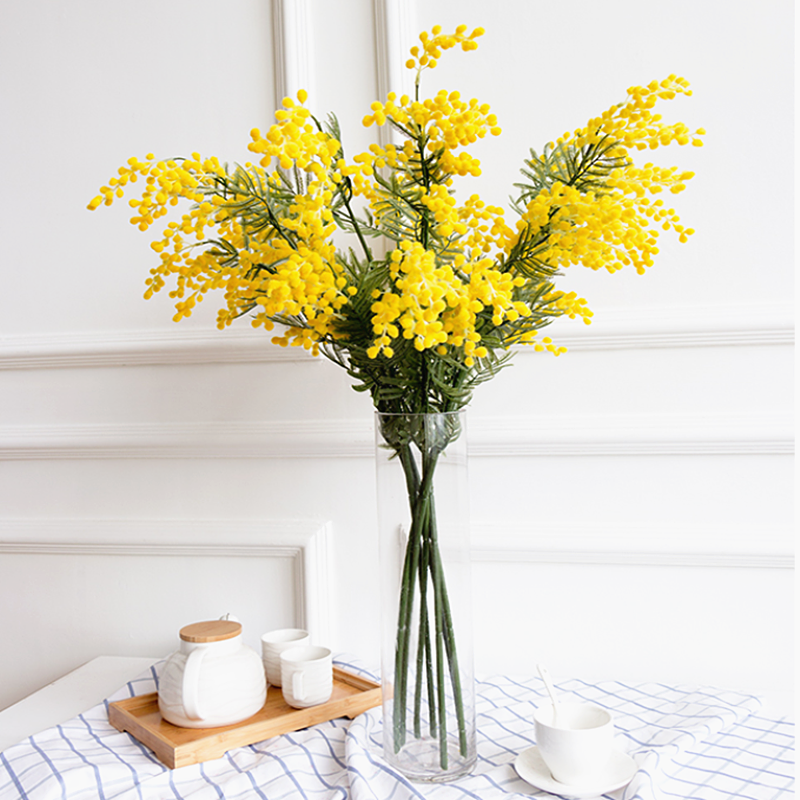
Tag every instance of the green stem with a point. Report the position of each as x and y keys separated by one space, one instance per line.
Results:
x=450 y=646
x=431 y=685
x=437 y=595
x=356 y=227
x=425 y=649
x=410 y=566
x=423 y=646
x=402 y=647
x=426 y=182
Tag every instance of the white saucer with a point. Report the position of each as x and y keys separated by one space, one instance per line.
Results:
x=530 y=767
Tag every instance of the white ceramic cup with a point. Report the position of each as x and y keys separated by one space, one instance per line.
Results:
x=273 y=644
x=577 y=744
x=307 y=676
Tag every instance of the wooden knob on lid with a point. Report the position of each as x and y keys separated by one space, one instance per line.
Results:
x=215 y=630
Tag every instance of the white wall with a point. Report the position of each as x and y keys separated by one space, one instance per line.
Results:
x=632 y=499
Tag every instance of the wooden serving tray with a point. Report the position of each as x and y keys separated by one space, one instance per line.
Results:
x=179 y=747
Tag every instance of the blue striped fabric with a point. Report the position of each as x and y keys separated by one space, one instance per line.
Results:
x=688 y=743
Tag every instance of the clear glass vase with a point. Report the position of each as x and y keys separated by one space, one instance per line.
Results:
x=426 y=658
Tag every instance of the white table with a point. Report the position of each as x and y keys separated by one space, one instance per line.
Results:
x=687 y=741
x=67 y=697
x=97 y=679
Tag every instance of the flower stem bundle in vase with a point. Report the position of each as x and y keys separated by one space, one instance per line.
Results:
x=418 y=322
x=427 y=664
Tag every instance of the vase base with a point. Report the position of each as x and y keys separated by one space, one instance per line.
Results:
x=420 y=761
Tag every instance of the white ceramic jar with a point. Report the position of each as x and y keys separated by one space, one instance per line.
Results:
x=213 y=680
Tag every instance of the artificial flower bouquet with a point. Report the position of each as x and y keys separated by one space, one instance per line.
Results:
x=434 y=290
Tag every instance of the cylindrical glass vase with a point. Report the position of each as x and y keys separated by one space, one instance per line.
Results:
x=426 y=615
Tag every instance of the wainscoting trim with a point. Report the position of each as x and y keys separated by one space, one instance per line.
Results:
x=612 y=330
x=306 y=542
x=395 y=33
x=645 y=544
x=535 y=435
x=293 y=50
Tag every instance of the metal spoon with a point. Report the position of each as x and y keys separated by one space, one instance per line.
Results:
x=548 y=684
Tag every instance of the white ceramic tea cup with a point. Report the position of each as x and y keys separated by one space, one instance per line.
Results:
x=273 y=644
x=307 y=676
x=577 y=743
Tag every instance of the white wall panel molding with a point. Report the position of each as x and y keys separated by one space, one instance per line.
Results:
x=613 y=330
x=576 y=435
x=395 y=33
x=277 y=439
x=644 y=433
x=689 y=326
x=305 y=542
x=292 y=47
x=141 y=348
x=644 y=544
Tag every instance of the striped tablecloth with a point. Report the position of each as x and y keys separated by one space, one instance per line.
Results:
x=688 y=742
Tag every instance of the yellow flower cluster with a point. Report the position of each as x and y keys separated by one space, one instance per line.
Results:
x=447 y=122
x=633 y=123
x=613 y=228
x=293 y=274
x=604 y=232
x=487 y=231
x=437 y=305
x=432 y=46
x=459 y=276
x=442 y=205
x=456 y=122
x=166 y=181
x=295 y=142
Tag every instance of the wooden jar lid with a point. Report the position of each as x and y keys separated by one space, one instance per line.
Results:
x=215 y=630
